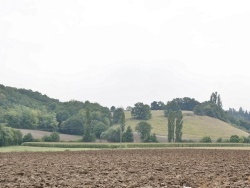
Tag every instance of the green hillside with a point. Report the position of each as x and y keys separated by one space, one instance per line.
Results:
x=194 y=127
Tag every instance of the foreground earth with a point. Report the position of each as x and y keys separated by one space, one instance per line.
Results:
x=127 y=168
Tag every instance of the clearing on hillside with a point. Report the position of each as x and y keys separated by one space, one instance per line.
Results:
x=194 y=127
x=39 y=134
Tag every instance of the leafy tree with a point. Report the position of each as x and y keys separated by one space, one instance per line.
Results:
x=9 y=136
x=17 y=137
x=88 y=135
x=171 y=106
x=212 y=110
x=122 y=121
x=243 y=139
x=117 y=115
x=141 y=111
x=143 y=128
x=185 y=103
x=206 y=139
x=98 y=128
x=73 y=125
x=234 y=139
x=153 y=138
x=219 y=140
x=61 y=116
x=128 y=135
x=111 y=135
x=28 y=138
x=129 y=108
x=112 y=109
x=47 y=121
x=157 y=105
x=55 y=137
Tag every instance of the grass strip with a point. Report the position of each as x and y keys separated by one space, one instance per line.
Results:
x=129 y=145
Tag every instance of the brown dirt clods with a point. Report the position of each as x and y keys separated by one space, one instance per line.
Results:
x=127 y=168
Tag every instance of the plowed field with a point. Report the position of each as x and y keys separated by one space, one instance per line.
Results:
x=127 y=168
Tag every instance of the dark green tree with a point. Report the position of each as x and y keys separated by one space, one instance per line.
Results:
x=171 y=106
x=17 y=137
x=117 y=115
x=234 y=139
x=141 y=111
x=206 y=139
x=62 y=116
x=143 y=129
x=216 y=99
x=73 y=125
x=111 y=135
x=98 y=128
x=88 y=135
x=112 y=109
x=128 y=135
x=153 y=138
x=28 y=138
x=171 y=126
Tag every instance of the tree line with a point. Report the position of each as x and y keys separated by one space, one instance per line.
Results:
x=20 y=108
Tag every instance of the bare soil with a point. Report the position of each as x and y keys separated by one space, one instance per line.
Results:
x=127 y=168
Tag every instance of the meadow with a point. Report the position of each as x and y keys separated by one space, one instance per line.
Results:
x=194 y=127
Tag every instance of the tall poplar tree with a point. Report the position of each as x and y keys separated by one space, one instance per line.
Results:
x=171 y=126
x=175 y=125
x=178 y=125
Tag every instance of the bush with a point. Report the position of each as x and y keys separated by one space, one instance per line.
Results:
x=9 y=136
x=152 y=138
x=143 y=128
x=234 y=139
x=206 y=139
x=54 y=137
x=127 y=136
x=219 y=140
x=98 y=128
x=113 y=135
x=28 y=138
x=46 y=138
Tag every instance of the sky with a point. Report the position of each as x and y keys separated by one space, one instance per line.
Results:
x=127 y=51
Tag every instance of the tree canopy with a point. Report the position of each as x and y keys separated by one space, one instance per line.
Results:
x=141 y=111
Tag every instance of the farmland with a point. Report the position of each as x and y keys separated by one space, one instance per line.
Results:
x=126 y=168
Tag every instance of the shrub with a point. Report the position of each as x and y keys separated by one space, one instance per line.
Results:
x=127 y=136
x=53 y=137
x=219 y=140
x=152 y=138
x=28 y=138
x=9 y=136
x=46 y=138
x=206 y=139
x=234 y=139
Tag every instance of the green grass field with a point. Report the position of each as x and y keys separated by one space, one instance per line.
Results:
x=69 y=146
x=194 y=127
x=38 y=149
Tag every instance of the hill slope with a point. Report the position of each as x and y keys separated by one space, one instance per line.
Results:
x=39 y=134
x=194 y=127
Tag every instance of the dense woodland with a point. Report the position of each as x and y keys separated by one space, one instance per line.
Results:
x=21 y=108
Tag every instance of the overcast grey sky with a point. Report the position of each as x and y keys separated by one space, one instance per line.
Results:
x=121 y=52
